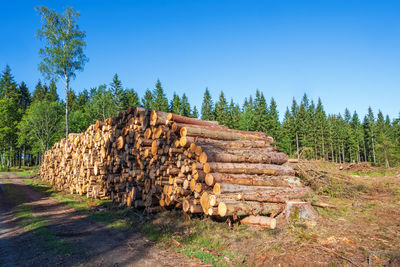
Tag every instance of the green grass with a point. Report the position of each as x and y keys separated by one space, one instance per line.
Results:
x=26 y=169
x=35 y=224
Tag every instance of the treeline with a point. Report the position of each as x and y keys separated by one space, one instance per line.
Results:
x=31 y=123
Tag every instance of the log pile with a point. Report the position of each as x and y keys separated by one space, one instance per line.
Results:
x=155 y=160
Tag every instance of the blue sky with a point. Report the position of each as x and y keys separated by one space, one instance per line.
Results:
x=345 y=52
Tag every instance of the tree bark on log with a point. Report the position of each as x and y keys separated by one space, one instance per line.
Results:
x=217 y=156
x=251 y=179
x=260 y=220
x=251 y=168
x=241 y=208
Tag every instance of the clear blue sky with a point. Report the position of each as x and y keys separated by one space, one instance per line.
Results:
x=346 y=52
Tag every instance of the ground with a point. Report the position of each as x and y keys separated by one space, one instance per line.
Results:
x=361 y=229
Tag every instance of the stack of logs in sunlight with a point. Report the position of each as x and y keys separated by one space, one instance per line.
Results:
x=154 y=161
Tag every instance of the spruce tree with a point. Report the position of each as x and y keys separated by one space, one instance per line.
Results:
x=370 y=135
x=247 y=121
x=52 y=93
x=233 y=115
x=273 y=125
x=385 y=142
x=358 y=132
x=40 y=92
x=321 y=129
x=129 y=99
x=260 y=112
x=147 y=100
x=175 y=106
x=221 y=108
x=160 y=101
x=207 y=107
x=195 y=113
x=295 y=125
x=286 y=143
x=185 y=106
x=117 y=92
x=10 y=113
x=24 y=96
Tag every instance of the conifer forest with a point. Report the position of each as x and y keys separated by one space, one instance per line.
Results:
x=32 y=122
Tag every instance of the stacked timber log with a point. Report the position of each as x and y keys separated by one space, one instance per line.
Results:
x=156 y=160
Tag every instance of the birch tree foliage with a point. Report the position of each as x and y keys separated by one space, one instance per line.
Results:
x=62 y=54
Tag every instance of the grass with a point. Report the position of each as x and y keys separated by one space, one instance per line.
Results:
x=26 y=169
x=35 y=224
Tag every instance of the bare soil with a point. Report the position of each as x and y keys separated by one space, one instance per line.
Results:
x=91 y=243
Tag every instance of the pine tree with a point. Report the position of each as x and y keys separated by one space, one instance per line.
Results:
x=160 y=101
x=221 y=110
x=147 y=100
x=207 y=107
x=185 y=106
x=175 y=105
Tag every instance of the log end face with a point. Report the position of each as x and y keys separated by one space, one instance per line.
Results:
x=209 y=179
x=222 y=209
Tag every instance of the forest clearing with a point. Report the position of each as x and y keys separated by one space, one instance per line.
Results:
x=360 y=229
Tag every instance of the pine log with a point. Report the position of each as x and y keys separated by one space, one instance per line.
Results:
x=159 y=117
x=251 y=179
x=250 y=168
x=260 y=220
x=227 y=135
x=182 y=119
x=255 y=157
x=241 y=208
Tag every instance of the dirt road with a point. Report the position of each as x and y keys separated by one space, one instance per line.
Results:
x=79 y=239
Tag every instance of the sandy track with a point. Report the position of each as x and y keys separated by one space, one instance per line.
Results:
x=93 y=243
